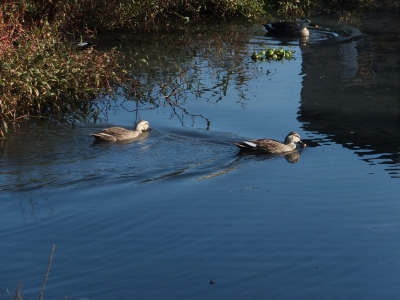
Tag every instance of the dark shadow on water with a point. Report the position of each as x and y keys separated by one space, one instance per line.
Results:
x=350 y=93
x=328 y=32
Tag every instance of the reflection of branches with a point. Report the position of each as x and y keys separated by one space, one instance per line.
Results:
x=175 y=90
x=176 y=67
x=174 y=107
x=147 y=94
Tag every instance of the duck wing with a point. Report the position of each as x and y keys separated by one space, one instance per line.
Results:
x=261 y=146
x=282 y=28
x=247 y=146
x=284 y=25
x=115 y=134
x=269 y=146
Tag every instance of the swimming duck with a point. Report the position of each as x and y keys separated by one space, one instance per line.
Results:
x=271 y=146
x=115 y=134
x=289 y=29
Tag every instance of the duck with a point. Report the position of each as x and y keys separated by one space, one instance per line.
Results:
x=116 y=134
x=271 y=146
x=289 y=29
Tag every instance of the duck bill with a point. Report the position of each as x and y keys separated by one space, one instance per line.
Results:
x=313 y=25
x=302 y=144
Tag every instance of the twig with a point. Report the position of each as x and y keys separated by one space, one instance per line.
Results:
x=9 y=294
x=174 y=91
x=47 y=273
x=18 y=295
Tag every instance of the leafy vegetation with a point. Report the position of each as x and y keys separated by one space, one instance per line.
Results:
x=42 y=73
x=147 y=14
x=296 y=8
x=41 y=76
x=127 y=14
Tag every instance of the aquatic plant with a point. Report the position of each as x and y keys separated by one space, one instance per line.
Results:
x=270 y=54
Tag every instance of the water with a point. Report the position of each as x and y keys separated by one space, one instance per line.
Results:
x=179 y=214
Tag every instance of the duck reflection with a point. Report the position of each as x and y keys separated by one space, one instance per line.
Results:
x=293 y=157
x=242 y=159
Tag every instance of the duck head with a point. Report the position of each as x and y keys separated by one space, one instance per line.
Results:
x=142 y=125
x=294 y=137
x=305 y=23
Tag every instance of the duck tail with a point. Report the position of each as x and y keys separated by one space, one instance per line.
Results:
x=267 y=27
x=100 y=136
x=246 y=146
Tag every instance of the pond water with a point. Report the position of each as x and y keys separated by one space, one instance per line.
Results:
x=178 y=214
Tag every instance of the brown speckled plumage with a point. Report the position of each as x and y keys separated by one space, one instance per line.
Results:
x=271 y=146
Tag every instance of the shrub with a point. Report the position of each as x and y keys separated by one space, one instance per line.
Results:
x=43 y=76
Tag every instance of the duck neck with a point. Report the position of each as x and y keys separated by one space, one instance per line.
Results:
x=304 y=32
x=302 y=26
